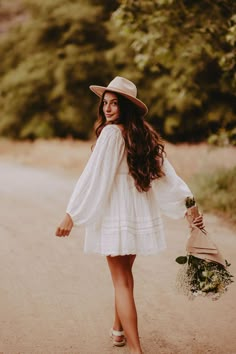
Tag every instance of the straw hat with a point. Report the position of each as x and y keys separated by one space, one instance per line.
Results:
x=125 y=88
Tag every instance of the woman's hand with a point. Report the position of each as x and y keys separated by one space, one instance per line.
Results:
x=198 y=222
x=65 y=226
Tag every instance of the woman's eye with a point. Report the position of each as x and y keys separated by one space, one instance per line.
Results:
x=114 y=104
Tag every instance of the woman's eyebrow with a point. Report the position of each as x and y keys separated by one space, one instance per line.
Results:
x=113 y=99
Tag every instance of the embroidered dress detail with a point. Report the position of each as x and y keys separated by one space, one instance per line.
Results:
x=120 y=220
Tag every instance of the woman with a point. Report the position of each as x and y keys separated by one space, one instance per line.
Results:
x=125 y=186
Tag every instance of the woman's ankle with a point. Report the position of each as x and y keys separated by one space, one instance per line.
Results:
x=117 y=327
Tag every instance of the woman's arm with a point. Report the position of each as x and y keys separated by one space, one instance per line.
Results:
x=92 y=190
x=171 y=192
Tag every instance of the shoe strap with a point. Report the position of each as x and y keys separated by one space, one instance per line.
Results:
x=117 y=333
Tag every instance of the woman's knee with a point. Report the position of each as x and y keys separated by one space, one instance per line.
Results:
x=122 y=281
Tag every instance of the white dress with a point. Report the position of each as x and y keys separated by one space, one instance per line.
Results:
x=120 y=220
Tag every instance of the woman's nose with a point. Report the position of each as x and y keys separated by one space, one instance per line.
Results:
x=108 y=108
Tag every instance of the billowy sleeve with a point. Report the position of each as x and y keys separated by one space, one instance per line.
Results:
x=92 y=190
x=171 y=192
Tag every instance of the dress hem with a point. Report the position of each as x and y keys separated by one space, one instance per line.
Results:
x=125 y=253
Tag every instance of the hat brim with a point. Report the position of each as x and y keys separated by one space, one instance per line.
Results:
x=99 y=90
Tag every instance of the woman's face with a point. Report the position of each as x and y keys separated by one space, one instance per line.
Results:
x=111 y=108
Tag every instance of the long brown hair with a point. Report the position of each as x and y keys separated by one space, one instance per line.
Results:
x=145 y=149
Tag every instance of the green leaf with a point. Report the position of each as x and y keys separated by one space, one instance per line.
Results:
x=181 y=260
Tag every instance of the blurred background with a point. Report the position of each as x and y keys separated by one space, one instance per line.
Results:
x=181 y=55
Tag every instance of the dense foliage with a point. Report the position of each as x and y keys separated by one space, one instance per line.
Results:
x=47 y=64
x=184 y=58
x=180 y=53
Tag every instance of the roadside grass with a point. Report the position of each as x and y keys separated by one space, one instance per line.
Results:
x=216 y=192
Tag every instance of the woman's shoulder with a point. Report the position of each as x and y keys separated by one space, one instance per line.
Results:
x=110 y=134
x=112 y=129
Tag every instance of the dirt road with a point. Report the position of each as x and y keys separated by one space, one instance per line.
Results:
x=54 y=299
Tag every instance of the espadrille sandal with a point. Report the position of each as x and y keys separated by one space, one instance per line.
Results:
x=115 y=333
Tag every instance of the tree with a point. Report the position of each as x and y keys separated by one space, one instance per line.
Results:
x=47 y=64
x=182 y=54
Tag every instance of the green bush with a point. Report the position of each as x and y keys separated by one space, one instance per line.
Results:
x=217 y=191
x=47 y=64
x=182 y=54
x=223 y=138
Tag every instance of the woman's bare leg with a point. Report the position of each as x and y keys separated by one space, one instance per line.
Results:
x=121 y=272
x=117 y=322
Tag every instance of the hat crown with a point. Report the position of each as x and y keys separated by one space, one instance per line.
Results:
x=124 y=85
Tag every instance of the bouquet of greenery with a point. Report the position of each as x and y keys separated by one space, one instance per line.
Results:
x=204 y=271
